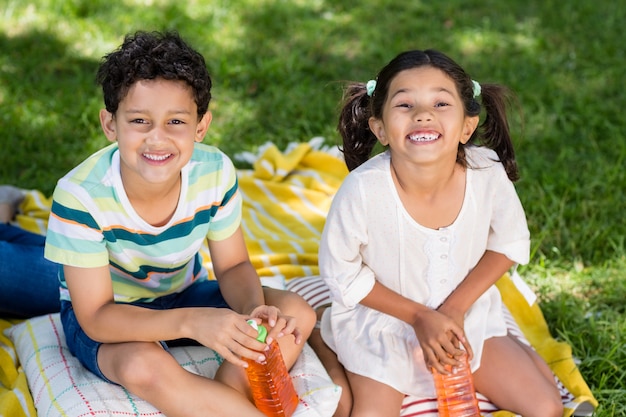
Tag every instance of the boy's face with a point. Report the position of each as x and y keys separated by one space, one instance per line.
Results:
x=155 y=126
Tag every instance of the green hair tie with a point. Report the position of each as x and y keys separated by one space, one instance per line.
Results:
x=370 y=86
x=476 y=87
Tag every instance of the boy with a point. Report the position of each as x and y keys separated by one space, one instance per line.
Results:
x=127 y=225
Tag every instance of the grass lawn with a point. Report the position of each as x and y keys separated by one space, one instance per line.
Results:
x=278 y=67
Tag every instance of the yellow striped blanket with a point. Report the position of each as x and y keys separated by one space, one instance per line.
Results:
x=286 y=197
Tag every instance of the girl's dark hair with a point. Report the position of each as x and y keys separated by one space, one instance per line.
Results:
x=150 y=55
x=358 y=107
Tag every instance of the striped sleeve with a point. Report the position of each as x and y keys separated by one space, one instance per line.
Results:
x=74 y=237
x=225 y=214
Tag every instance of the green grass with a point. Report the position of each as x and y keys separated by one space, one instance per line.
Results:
x=278 y=66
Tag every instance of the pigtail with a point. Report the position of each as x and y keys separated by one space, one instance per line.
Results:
x=495 y=133
x=358 y=139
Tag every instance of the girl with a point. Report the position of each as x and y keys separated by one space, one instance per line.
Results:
x=417 y=236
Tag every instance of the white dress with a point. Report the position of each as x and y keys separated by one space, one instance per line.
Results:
x=370 y=236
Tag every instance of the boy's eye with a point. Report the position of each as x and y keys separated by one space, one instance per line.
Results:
x=138 y=121
x=177 y=122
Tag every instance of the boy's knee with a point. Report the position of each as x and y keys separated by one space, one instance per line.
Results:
x=138 y=370
x=293 y=304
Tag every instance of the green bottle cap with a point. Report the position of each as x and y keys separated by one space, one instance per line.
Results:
x=261 y=329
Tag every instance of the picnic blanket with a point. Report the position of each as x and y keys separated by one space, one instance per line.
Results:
x=286 y=197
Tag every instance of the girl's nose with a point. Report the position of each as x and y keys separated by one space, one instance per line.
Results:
x=423 y=116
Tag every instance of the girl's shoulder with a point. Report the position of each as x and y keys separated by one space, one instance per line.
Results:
x=481 y=155
x=483 y=159
x=374 y=166
x=369 y=177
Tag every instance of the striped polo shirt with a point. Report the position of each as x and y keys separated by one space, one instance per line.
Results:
x=93 y=224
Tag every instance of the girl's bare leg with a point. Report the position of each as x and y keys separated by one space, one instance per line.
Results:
x=333 y=367
x=515 y=378
x=372 y=398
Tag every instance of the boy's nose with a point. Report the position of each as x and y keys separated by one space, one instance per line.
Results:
x=157 y=135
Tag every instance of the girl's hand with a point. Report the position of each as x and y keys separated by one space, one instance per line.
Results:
x=279 y=324
x=459 y=319
x=439 y=337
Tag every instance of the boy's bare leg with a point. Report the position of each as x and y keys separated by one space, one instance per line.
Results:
x=333 y=367
x=151 y=373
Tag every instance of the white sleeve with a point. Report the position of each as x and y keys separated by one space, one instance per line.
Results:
x=508 y=232
x=345 y=232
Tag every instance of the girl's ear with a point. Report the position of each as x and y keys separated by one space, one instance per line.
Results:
x=469 y=126
x=378 y=129
x=107 y=121
x=203 y=126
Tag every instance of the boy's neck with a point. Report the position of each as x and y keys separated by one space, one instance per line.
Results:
x=155 y=204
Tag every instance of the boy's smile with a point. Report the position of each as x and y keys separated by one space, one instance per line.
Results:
x=155 y=126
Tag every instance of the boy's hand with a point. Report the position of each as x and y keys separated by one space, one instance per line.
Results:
x=279 y=324
x=228 y=334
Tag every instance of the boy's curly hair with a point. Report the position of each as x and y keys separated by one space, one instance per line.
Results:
x=151 y=55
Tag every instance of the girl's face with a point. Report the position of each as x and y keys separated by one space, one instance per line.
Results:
x=155 y=126
x=423 y=117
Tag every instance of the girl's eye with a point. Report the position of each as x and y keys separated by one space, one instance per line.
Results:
x=441 y=104
x=404 y=105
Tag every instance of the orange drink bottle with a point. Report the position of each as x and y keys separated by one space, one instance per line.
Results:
x=456 y=395
x=272 y=389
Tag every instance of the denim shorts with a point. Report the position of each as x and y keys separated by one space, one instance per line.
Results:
x=200 y=294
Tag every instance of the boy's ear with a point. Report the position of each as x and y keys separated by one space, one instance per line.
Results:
x=378 y=129
x=203 y=126
x=107 y=121
x=470 y=125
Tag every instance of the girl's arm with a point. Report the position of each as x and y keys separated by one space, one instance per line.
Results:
x=434 y=330
x=489 y=269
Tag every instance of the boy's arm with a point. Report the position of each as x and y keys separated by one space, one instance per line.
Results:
x=241 y=287
x=220 y=329
x=105 y=321
x=239 y=282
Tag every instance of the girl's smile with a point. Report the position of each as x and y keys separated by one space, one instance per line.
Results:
x=423 y=137
x=423 y=119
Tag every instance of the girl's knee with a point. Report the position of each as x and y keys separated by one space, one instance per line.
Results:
x=545 y=406
x=553 y=407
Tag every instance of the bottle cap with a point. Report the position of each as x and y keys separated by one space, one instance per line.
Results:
x=261 y=329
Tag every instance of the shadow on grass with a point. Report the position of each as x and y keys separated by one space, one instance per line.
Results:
x=278 y=69
x=47 y=98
